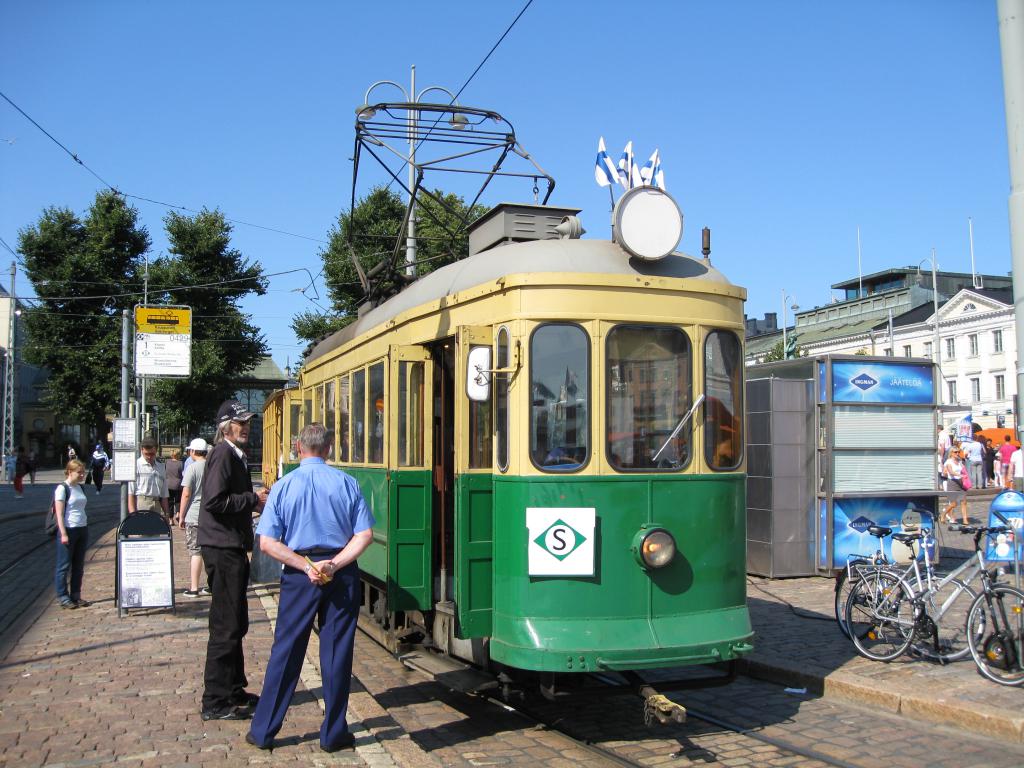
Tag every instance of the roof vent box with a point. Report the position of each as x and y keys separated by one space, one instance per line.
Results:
x=516 y=223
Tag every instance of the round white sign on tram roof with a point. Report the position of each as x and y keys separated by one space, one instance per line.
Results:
x=648 y=223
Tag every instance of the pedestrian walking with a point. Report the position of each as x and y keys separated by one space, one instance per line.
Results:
x=100 y=460
x=72 y=536
x=988 y=463
x=188 y=513
x=1005 y=453
x=316 y=523
x=20 y=470
x=953 y=471
x=1017 y=470
x=148 y=492
x=33 y=465
x=72 y=454
x=173 y=471
x=225 y=537
x=974 y=459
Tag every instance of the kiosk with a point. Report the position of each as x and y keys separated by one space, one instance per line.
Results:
x=850 y=440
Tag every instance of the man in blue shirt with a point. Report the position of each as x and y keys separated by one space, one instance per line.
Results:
x=316 y=522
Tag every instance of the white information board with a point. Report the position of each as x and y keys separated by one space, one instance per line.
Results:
x=163 y=341
x=123 y=470
x=145 y=574
x=125 y=431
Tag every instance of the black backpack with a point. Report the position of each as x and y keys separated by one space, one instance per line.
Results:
x=51 y=517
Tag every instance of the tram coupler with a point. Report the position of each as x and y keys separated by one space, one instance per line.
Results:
x=658 y=708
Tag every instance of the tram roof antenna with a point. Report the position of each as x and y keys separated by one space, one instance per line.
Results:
x=432 y=138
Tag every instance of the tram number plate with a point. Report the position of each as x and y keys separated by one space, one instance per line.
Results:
x=560 y=540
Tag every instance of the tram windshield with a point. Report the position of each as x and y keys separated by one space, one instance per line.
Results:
x=559 y=397
x=650 y=390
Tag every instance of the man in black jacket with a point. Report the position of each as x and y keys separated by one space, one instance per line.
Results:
x=225 y=536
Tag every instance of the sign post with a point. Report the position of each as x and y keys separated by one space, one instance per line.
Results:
x=163 y=341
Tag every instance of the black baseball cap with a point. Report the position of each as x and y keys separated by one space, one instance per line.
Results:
x=232 y=410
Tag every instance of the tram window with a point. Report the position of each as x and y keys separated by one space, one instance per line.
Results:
x=307 y=408
x=376 y=414
x=331 y=413
x=650 y=391
x=501 y=383
x=343 y=415
x=294 y=427
x=559 y=397
x=480 y=432
x=723 y=408
x=318 y=403
x=410 y=414
x=359 y=416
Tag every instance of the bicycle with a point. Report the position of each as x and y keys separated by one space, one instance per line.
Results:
x=847 y=577
x=889 y=611
x=995 y=621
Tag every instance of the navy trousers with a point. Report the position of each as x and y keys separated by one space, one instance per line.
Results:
x=300 y=602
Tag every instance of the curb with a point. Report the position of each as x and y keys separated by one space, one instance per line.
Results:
x=852 y=688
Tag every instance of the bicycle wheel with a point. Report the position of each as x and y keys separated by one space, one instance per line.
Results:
x=946 y=609
x=880 y=617
x=844 y=583
x=995 y=633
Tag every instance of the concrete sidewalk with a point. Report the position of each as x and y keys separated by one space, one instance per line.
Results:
x=798 y=644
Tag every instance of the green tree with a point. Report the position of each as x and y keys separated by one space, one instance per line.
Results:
x=777 y=352
x=84 y=271
x=374 y=227
x=204 y=272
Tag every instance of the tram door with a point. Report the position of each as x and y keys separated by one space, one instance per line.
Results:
x=443 y=389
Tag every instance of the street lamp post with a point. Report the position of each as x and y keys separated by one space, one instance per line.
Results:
x=794 y=307
x=936 y=355
x=458 y=121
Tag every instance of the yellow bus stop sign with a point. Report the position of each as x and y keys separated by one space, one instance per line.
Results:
x=163 y=320
x=163 y=341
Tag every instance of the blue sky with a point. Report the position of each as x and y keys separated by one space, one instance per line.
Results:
x=783 y=126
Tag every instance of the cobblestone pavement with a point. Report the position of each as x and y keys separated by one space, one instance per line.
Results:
x=803 y=646
x=86 y=688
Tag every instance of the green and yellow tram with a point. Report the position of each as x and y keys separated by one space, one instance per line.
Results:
x=549 y=432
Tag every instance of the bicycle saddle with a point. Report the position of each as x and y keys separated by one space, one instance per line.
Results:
x=906 y=538
x=879 y=530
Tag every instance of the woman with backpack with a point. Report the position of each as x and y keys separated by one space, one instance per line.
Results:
x=72 y=535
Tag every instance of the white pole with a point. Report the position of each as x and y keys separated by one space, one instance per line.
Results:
x=783 y=323
x=1011 y=39
x=860 y=273
x=936 y=356
x=410 y=240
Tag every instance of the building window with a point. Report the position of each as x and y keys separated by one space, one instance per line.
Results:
x=997 y=341
x=950 y=349
x=1000 y=388
x=951 y=391
x=975 y=390
x=906 y=351
x=888 y=351
x=927 y=349
x=972 y=342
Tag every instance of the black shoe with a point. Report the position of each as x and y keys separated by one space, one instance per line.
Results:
x=250 y=739
x=347 y=742
x=82 y=603
x=226 y=713
x=244 y=699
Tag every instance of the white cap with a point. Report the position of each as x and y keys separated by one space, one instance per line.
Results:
x=198 y=444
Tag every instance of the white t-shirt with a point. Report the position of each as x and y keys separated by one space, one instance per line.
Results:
x=1017 y=462
x=74 y=510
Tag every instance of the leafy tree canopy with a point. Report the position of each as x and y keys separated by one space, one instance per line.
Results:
x=374 y=228
x=204 y=272
x=69 y=260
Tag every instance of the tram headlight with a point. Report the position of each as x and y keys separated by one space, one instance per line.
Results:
x=654 y=547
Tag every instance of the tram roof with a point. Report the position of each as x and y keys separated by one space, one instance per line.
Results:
x=601 y=257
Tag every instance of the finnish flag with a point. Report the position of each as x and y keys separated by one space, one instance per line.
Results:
x=604 y=169
x=627 y=169
x=651 y=173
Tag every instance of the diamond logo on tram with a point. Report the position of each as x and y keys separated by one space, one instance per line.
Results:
x=560 y=539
